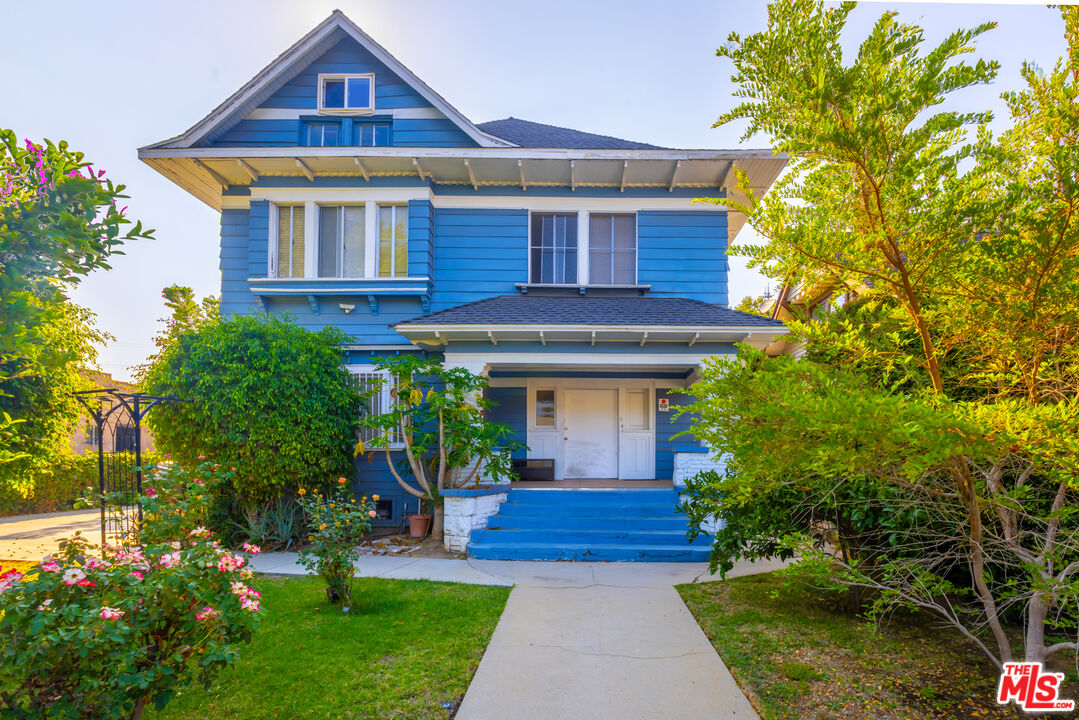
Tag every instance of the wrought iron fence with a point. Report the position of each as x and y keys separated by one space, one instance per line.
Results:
x=117 y=431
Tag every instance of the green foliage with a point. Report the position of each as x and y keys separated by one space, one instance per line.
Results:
x=337 y=525
x=100 y=636
x=59 y=221
x=439 y=415
x=59 y=482
x=263 y=397
x=953 y=382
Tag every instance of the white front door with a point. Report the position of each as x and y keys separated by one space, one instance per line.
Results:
x=590 y=431
x=636 y=443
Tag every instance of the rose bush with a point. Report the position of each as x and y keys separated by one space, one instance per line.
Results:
x=338 y=524
x=100 y=632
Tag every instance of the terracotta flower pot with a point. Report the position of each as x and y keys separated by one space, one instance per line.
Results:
x=418 y=525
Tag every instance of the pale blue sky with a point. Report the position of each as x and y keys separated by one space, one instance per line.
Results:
x=113 y=76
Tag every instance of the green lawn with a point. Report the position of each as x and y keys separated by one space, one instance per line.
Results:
x=407 y=647
x=798 y=658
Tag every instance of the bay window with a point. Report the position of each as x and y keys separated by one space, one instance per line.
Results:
x=392 y=241
x=290 y=241
x=341 y=241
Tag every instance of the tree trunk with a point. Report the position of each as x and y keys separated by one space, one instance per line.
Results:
x=438 y=521
x=1037 y=611
x=140 y=704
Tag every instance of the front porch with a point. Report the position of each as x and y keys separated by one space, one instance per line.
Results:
x=592 y=483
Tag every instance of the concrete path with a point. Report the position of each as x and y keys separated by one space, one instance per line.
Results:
x=602 y=641
x=32 y=537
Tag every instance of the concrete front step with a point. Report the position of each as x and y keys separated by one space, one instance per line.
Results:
x=493 y=536
x=504 y=521
x=611 y=508
x=589 y=552
x=587 y=524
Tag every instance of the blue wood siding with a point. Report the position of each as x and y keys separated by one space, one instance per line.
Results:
x=420 y=246
x=667 y=425
x=373 y=477
x=510 y=407
x=683 y=254
x=235 y=234
x=301 y=93
x=478 y=254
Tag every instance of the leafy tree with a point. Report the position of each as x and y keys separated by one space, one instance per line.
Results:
x=261 y=395
x=978 y=421
x=185 y=315
x=59 y=221
x=438 y=415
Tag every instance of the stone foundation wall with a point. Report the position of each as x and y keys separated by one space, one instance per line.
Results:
x=689 y=463
x=466 y=510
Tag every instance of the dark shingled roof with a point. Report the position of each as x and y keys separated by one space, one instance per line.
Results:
x=590 y=310
x=537 y=135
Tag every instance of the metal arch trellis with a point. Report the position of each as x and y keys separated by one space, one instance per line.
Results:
x=119 y=482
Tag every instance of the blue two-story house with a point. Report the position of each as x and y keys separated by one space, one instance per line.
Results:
x=574 y=270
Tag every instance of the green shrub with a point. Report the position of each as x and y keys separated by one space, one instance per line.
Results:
x=265 y=398
x=100 y=637
x=55 y=484
x=338 y=524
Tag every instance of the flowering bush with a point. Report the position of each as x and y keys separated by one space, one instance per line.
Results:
x=338 y=524
x=100 y=634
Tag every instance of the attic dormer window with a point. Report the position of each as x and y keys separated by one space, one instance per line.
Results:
x=346 y=93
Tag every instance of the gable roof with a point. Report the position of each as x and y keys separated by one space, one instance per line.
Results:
x=591 y=310
x=291 y=62
x=537 y=135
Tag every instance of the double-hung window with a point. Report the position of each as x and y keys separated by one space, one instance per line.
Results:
x=341 y=241
x=290 y=242
x=392 y=241
x=553 y=248
x=612 y=249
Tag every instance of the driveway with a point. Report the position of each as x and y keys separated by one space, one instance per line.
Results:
x=31 y=537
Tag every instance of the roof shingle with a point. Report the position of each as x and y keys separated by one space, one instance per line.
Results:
x=537 y=135
x=590 y=310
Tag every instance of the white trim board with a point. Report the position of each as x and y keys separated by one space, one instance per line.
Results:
x=420 y=113
x=599 y=360
x=341 y=195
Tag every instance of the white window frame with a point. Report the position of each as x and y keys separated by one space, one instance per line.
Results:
x=582 y=242
x=636 y=245
x=341 y=238
x=359 y=370
x=345 y=77
x=393 y=242
x=273 y=261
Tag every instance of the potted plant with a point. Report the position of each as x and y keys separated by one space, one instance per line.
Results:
x=419 y=524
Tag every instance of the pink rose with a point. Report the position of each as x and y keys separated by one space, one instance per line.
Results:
x=108 y=613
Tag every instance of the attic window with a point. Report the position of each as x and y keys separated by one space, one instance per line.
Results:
x=346 y=93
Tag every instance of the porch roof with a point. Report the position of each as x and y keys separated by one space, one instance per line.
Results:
x=589 y=318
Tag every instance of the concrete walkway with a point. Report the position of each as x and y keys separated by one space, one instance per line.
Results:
x=602 y=641
x=32 y=537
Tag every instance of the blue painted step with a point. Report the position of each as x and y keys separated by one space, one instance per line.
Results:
x=607 y=525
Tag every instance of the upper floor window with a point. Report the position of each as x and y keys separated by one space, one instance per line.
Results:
x=290 y=241
x=341 y=241
x=392 y=241
x=612 y=249
x=369 y=134
x=346 y=93
x=553 y=248
x=323 y=134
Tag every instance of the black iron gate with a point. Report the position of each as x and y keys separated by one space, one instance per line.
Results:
x=117 y=431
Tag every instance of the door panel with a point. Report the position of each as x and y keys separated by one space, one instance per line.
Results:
x=591 y=433
x=636 y=442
